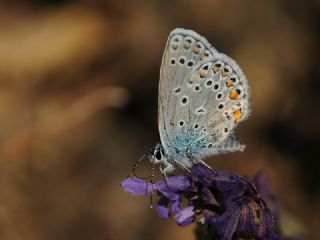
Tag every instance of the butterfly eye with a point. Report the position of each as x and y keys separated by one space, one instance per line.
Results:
x=157 y=154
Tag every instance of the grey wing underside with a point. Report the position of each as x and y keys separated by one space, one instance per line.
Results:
x=189 y=113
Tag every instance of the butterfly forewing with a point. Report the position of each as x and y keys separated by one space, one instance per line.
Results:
x=183 y=54
x=203 y=95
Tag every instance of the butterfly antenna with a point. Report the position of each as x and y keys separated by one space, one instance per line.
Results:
x=205 y=164
x=152 y=182
x=135 y=166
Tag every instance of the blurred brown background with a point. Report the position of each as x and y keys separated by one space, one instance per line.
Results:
x=78 y=106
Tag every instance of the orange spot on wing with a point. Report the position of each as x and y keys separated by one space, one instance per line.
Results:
x=203 y=73
x=192 y=79
x=196 y=50
x=203 y=57
x=224 y=74
x=187 y=45
x=234 y=95
x=229 y=84
x=237 y=115
x=215 y=69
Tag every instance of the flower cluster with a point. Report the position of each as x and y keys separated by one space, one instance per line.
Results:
x=228 y=204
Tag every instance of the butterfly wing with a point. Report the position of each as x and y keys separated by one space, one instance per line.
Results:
x=203 y=95
x=182 y=54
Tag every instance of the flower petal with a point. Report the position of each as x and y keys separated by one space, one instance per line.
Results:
x=271 y=232
x=186 y=216
x=176 y=205
x=247 y=224
x=174 y=183
x=230 y=190
x=231 y=186
x=172 y=186
x=225 y=224
x=208 y=197
x=261 y=181
x=257 y=221
x=162 y=208
x=267 y=229
x=203 y=174
x=137 y=186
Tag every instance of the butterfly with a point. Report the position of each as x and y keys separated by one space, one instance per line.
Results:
x=203 y=96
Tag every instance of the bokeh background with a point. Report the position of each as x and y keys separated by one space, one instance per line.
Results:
x=78 y=106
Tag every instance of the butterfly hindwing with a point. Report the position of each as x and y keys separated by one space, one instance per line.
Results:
x=223 y=102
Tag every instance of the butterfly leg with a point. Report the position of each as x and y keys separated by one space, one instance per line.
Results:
x=181 y=165
x=202 y=162
x=168 y=168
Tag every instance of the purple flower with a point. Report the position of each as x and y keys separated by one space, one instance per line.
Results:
x=186 y=216
x=137 y=186
x=169 y=191
x=261 y=182
x=229 y=204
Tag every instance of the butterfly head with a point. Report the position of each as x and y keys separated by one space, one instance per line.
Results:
x=157 y=154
